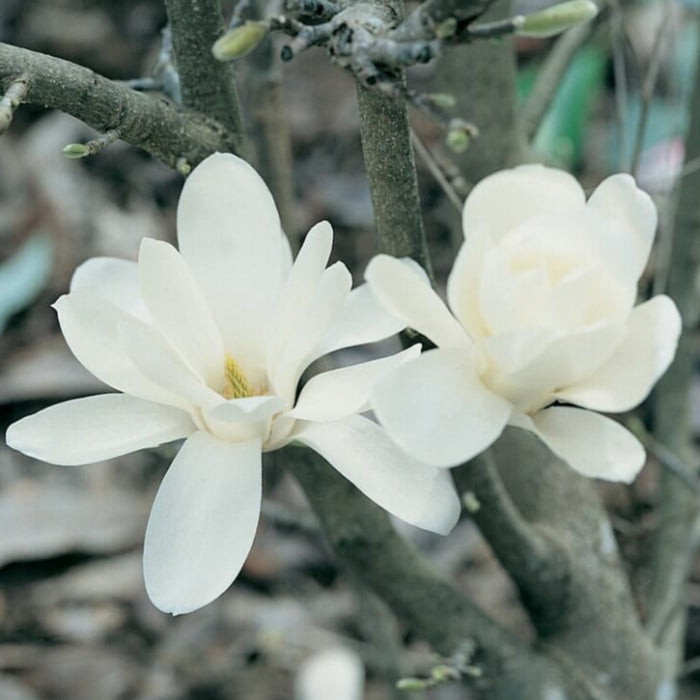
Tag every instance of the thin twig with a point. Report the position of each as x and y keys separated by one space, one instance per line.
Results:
x=648 y=88
x=15 y=94
x=435 y=170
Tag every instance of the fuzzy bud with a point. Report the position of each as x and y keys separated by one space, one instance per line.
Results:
x=555 y=19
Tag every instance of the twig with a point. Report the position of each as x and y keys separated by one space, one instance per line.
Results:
x=550 y=77
x=81 y=150
x=15 y=94
x=436 y=171
x=620 y=75
x=648 y=87
x=154 y=125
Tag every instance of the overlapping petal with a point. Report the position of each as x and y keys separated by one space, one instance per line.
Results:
x=502 y=201
x=202 y=523
x=619 y=199
x=179 y=309
x=230 y=236
x=361 y=320
x=113 y=280
x=317 y=318
x=341 y=392
x=300 y=287
x=90 y=326
x=438 y=410
x=593 y=445
x=643 y=355
x=407 y=295
x=362 y=452
x=97 y=428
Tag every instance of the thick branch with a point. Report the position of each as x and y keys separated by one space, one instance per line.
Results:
x=678 y=509
x=391 y=170
x=362 y=536
x=208 y=86
x=152 y=124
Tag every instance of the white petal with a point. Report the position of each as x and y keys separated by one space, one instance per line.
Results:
x=97 y=428
x=203 y=522
x=112 y=279
x=361 y=320
x=342 y=392
x=155 y=358
x=249 y=409
x=230 y=236
x=592 y=444
x=318 y=317
x=408 y=296
x=463 y=284
x=437 y=409
x=362 y=452
x=90 y=326
x=619 y=198
x=646 y=351
x=561 y=359
x=300 y=287
x=179 y=310
x=502 y=201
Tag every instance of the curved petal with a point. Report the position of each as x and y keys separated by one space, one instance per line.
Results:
x=90 y=326
x=561 y=359
x=96 y=428
x=643 y=355
x=361 y=320
x=230 y=236
x=502 y=201
x=155 y=359
x=362 y=452
x=248 y=410
x=328 y=299
x=202 y=523
x=341 y=392
x=179 y=310
x=619 y=198
x=300 y=287
x=592 y=444
x=403 y=292
x=438 y=410
x=112 y=279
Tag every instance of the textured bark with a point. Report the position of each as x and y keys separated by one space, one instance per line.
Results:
x=150 y=123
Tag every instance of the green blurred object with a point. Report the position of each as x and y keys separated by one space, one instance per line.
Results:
x=24 y=275
x=560 y=138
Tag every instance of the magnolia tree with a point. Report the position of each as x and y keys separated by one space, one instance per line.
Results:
x=493 y=408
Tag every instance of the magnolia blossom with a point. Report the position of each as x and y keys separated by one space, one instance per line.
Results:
x=543 y=325
x=208 y=344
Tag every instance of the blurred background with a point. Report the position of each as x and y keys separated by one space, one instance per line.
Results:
x=75 y=621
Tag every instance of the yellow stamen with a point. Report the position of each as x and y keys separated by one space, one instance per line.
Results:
x=237 y=386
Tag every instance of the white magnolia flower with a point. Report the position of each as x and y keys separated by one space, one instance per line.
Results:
x=543 y=293
x=208 y=344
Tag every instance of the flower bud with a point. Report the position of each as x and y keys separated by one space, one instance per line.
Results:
x=555 y=19
x=460 y=135
x=239 y=41
x=76 y=150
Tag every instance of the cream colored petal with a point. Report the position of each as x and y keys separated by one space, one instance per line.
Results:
x=618 y=198
x=643 y=355
x=406 y=294
x=437 y=409
x=593 y=445
x=502 y=201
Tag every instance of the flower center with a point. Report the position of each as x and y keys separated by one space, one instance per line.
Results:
x=236 y=384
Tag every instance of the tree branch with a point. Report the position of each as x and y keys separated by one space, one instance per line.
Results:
x=208 y=86
x=171 y=136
